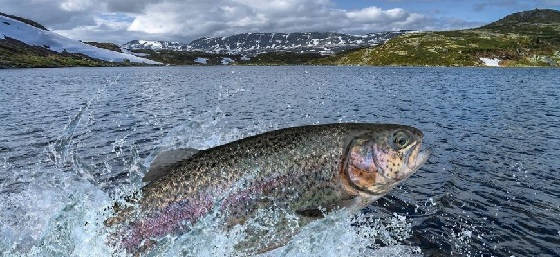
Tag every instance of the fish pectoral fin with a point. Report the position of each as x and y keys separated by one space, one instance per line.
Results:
x=164 y=161
x=311 y=213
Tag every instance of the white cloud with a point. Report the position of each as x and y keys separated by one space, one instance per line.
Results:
x=189 y=19
x=76 y=5
x=376 y=15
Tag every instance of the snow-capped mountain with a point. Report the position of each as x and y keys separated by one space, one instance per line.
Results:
x=153 y=45
x=255 y=43
x=35 y=36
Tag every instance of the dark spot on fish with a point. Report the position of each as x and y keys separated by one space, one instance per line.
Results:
x=5 y=22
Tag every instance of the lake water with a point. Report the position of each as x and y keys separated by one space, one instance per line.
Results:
x=73 y=140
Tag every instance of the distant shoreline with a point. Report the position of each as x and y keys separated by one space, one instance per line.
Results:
x=285 y=65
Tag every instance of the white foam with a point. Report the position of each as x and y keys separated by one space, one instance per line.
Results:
x=56 y=214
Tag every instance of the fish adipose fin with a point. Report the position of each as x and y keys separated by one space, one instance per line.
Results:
x=161 y=165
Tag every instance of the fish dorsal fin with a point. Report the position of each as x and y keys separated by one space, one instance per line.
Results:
x=163 y=162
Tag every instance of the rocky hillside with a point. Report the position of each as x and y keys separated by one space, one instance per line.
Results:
x=108 y=46
x=313 y=42
x=530 y=38
x=188 y=57
x=16 y=54
x=252 y=44
x=25 y=43
x=154 y=45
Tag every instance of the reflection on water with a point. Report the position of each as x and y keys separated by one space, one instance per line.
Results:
x=74 y=140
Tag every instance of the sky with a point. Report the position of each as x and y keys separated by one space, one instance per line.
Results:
x=120 y=21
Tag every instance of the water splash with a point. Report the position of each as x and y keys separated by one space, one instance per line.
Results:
x=335 y=235
x=61 y=213
x=58 y=151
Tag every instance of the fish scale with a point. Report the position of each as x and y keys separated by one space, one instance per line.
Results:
x=303 y=171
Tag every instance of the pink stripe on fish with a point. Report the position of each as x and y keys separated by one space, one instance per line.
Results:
x=172 y=218
x=179 y=215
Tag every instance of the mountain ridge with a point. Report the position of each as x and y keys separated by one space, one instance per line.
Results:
x=529 y=38
x=536 y=16
x=256 y=43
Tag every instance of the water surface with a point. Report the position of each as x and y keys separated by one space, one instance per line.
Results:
x=73 y=140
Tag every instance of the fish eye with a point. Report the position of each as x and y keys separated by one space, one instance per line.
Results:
x=401 y=139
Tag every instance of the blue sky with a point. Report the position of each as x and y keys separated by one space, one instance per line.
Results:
x=184 y=20
x=471 y=10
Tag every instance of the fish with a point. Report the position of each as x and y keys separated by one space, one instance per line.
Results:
x=299 y=174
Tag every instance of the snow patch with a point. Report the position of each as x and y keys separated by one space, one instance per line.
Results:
x=201 y=60
x=227 y=61
x=152 y=44
x=491 y=62
x=36 y=37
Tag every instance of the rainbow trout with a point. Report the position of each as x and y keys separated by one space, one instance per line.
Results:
x=300 y=173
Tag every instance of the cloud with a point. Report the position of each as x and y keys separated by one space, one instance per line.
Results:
x=185 y=20
x=374 y=14
x=220 y=17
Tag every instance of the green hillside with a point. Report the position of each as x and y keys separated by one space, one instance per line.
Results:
x=15 y=54
x=529 y=38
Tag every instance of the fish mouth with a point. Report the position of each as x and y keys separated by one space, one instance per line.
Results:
x=421 y=159
x=410 y=168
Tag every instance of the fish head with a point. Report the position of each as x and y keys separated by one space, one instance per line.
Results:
x=378 y=159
